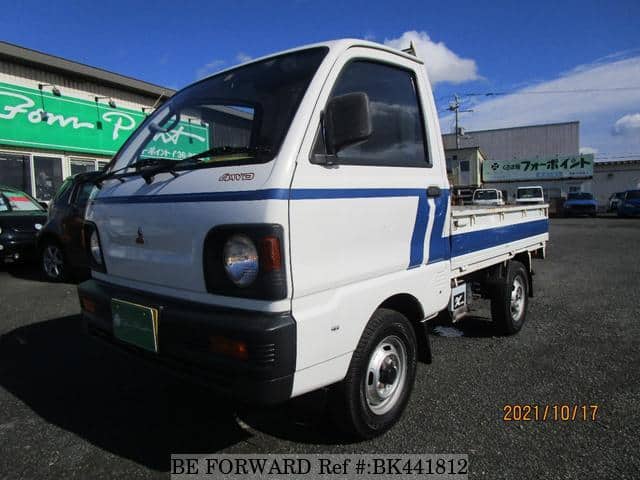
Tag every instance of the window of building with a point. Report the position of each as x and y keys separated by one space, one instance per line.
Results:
x=398 y=129
x=464 y=165
x=15 y=171
x=82 y=165
x=48 y=176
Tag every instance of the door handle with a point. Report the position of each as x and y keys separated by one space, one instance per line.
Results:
x=433 y=191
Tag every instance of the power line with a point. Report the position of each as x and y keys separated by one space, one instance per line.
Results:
x=547 y=92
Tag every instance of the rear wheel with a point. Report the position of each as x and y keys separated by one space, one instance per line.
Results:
x=53 y=261
x=375 y=392
x=510 y=299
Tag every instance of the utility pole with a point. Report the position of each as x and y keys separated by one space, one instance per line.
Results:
x=455 y=107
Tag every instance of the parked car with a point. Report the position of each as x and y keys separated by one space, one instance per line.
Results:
x=59 y=242
x=629 y=206
x=21 y=217
x=614 y=201
x=488 y=196
x=580 y=203
x=529 y=195
x=269 y=281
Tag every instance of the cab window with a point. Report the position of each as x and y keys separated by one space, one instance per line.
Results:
x=398 y=138
x=83 y=193
x=62 y=195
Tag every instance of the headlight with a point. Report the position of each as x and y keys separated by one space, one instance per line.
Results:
x=0 y=230
x=94 y=247
x=240 y=259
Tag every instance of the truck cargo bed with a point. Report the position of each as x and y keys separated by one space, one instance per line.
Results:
x=482 y=236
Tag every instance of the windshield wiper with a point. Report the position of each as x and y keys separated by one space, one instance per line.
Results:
x=140 y=164
x=196 y=160
x=149 y=167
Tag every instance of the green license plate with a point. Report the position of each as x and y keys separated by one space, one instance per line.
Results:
x=135 y=324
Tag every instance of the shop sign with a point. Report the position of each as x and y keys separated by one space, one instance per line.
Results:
x=77 y=125
x=540 y=168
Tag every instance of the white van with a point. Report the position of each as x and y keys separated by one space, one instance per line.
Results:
x=488 y=196
x=285 y=225
x=529 y=195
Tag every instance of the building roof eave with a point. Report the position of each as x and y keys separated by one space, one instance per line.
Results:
x=27 y=56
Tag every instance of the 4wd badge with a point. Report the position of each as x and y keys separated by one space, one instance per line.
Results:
x=236 y=177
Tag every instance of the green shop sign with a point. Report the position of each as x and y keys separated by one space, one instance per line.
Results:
x=541 y=168
x=77 y=125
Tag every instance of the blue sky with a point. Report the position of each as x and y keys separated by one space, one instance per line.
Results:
x=469 y=47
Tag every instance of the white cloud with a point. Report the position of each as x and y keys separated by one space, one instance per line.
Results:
x=588 y=150
x=627 y=125
x=596 y=94
x=442 y=64
x=209 y=68
x=242 y=57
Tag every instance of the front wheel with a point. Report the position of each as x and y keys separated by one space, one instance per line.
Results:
x=510 y=299
x=375 y=392
x=53 y=262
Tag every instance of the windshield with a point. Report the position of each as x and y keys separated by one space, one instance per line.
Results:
x=580 y=196
x=532 y=192
x=633 y=195
x=244 y=113
x=485 y=195
x=17 y=202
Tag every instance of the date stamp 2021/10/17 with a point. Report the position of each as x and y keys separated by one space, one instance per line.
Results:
x=561 y=412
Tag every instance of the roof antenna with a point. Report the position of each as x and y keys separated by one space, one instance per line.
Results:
x=411 y=50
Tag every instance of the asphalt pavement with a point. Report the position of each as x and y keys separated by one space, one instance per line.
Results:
x=72 y=408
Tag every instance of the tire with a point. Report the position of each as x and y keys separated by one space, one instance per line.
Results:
x=53 y=261
x=510 y=299
x=363 y=406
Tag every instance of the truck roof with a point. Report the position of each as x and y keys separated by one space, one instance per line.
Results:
x=336 y=46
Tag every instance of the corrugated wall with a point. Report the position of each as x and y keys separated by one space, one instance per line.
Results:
x=29 y=77
x=522 y=142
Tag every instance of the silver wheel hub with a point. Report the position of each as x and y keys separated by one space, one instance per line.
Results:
x=517 y=298
x=386 y=375
x=52 y=261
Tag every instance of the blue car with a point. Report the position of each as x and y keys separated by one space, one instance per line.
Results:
x=580 y=203
x=629 y=206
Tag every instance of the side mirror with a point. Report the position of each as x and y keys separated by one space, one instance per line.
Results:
x=347 y=120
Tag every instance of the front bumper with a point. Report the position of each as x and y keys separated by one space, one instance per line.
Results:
x=185 y=330
x=13 y=249
x=630 y=210
x=580 y=209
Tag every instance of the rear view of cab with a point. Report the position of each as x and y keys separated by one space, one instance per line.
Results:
x=529 y=195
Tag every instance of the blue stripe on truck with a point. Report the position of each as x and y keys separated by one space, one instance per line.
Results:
x=416 y=252
x=438 y=245
x=464 y=243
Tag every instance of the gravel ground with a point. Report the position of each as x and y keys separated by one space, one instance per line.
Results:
x=72 y=408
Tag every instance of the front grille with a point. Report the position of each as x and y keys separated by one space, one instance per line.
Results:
x=263 y=355
x=582 y=208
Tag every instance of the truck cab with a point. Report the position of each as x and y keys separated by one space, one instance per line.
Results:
x=286 y=225
x=488 y=196
x=529 y=195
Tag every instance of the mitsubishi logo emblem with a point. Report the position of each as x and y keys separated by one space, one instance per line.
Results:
x=140 y=237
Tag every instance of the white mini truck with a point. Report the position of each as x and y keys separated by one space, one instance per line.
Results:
x=286 y=225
